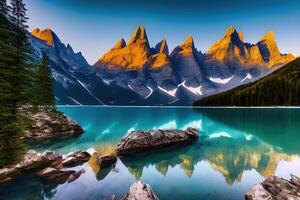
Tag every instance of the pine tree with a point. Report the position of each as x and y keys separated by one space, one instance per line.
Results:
x=22 y=62
x=4 y=8
x=10 y=123
x=19 y=14
x=44 y=84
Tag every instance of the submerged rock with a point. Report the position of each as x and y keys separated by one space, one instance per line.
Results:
x=75 y=175
x=56 y=175
x=49 y=123
x=139 y=141
x=76 y=158
x=140 y=191
x=106 y=161
x=31 y=160
x=273 y=188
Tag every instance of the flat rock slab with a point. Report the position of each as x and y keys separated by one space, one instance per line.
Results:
x=140 y=191
x=140 y=141
x=59 y=176
x=31 y=160
x=275 y=188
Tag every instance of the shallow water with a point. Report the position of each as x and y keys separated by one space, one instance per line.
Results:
x=237 y=148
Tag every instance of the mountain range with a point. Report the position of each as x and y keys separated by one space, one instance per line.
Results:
x=135 y=73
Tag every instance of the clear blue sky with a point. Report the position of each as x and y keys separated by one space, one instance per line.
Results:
x=94 y=26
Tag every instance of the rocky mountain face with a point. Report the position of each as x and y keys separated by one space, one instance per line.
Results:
x=75 y=81
x=231 y=50
x=135 y=73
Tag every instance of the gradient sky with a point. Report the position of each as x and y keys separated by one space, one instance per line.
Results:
x=94 y=26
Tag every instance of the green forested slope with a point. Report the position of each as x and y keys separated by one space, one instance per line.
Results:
x=281 y=88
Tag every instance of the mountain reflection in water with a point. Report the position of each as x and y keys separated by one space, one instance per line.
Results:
x=236 y=149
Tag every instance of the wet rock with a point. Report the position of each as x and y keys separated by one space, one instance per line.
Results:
x=139 y=141
x=76 y=158
x=275 y=188
x=31 y=160
x=106 y=161
x=140 y=191
x=56 y=175
x=50 y=123
x=75 y=175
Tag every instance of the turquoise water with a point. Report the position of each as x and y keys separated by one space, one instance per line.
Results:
x=237 y=148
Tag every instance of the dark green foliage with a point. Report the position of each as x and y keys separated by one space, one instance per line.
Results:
x=44 y=87
x=281 y=88
x=23 y=85
x=11 y=125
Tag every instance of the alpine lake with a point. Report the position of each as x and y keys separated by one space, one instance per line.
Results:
x=236 y=149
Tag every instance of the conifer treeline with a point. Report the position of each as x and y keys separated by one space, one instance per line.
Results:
x=23 y=84
x=281 y=88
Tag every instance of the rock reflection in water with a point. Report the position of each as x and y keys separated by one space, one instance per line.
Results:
x=228 y=156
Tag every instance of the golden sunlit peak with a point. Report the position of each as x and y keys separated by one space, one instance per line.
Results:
x=268 y=36
x=120 y=44
x=45 y=35
x=189 y=40
x=241 y=36
x=162 y=47
x=139 y=34
x=230 y=30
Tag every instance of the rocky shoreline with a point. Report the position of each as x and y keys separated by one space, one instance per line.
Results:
x=49 y=123
x=55 y=166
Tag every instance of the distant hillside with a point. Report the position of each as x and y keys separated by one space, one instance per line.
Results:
x=281 y=88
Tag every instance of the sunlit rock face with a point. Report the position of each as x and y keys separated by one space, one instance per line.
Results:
x=230 y=50
x=45 y=35
x=187 y=62
x=233 y=51
x=132 y=56
x=140 y=68
x=270 y=51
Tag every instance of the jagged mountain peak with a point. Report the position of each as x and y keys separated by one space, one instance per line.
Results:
x=46 y=35
x=120 y=44
x=270 y=51
x=268 y=36
x=230 y=30
x=139 y=35
x=162 y=47
x=189 y=41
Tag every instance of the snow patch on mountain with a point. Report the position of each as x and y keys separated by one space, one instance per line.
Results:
x=248 y=77
x=83 y=85
x=169 y=92
x=220 y=80
x=194 y=90
x=151 y=91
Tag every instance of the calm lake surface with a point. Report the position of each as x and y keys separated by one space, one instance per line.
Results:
x=237 y=148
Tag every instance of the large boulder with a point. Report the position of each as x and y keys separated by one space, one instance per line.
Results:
x=31 y=160
x=49 y=123
x=140 y=191
x=139 y=141
x=274 y=188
